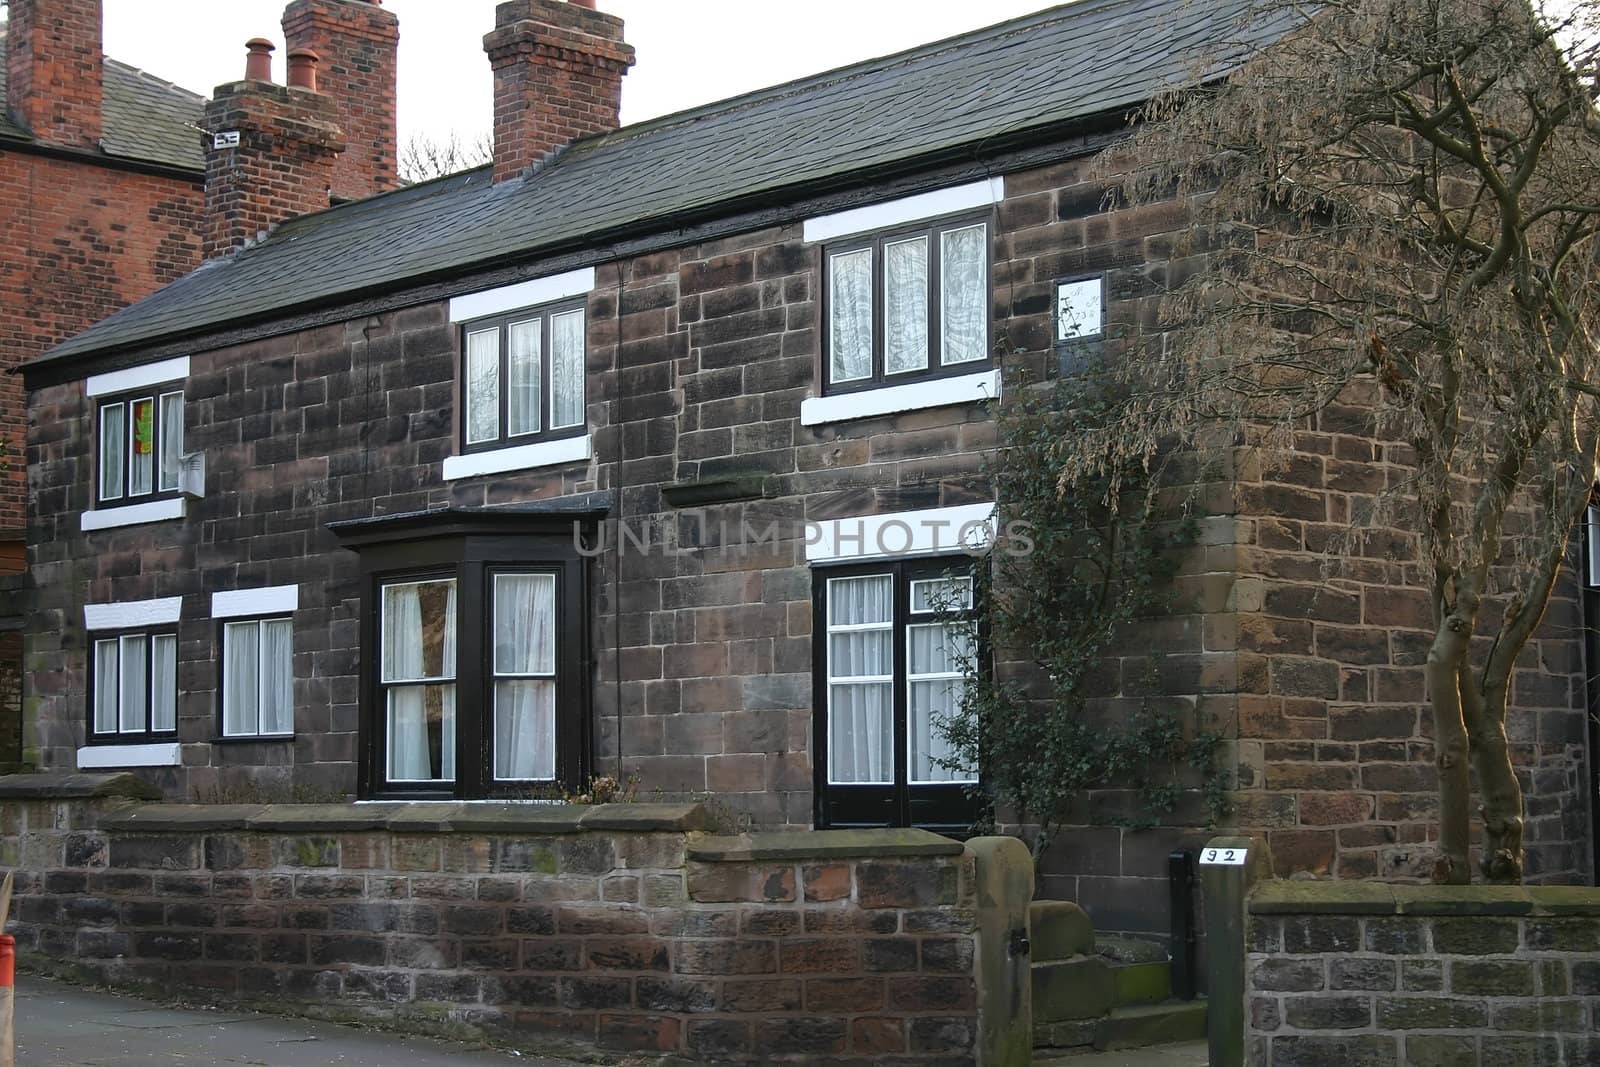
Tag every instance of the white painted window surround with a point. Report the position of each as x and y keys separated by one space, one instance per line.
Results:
x=242 y=603
x=132 y=514
x=120 y=381
x=132 y=614
x=522 y=295
x=520 y=457
x=108 y=757
x=935 y=393
x=929 y=532
x=890 y=213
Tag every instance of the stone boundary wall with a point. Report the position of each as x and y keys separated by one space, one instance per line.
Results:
x=1364 y=973
x=622 y=926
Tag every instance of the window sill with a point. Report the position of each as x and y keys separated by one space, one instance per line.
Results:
x=133 y=514
x=892 y=399
x=520 y=457
x=251 y=739
x=101 y=757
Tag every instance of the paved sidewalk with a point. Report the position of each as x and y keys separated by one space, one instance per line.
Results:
x=63 y=1026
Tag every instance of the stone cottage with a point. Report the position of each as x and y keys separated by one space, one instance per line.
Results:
x=645 y=452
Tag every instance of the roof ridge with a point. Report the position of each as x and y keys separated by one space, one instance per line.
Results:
x=1033 y=19
x=147 y=76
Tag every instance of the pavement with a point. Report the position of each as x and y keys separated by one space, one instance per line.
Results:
x=63 y=1026
x=1187 y=1054
x=59 y=1025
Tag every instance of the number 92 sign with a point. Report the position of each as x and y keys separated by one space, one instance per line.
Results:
x=1223 y=857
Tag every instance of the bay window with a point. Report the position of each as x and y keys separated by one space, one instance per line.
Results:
x=476 y=629
x=894 y=646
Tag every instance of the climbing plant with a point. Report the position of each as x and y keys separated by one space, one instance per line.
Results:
x=1073 y=576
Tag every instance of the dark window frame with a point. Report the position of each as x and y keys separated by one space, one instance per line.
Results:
x=1074 y=355
x=222 y=735
x=472 y=560
x=149 y=633
x=949 y=808
x=876 y=241
x=155 y=394
x=502 y=323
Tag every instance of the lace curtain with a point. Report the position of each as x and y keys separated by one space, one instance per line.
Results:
x=419 y=643
x=525 y=707
x=483 y=386
x=566 y=369
x=905 y=280
x=850 y=315
x=113 y=440
x=522 y=392
x=964 y=303
x=861 y=686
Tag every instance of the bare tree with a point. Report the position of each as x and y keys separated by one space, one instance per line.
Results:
x=424 y=158
x=1399 y=197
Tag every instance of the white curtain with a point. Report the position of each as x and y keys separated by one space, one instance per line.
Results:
x=143 y=447
x=522 y=397
x=524 y=707
x=566 y=369
x=941 y=594
x=171 y=438
x=106 y=681
x=964 y=309
x=860 y=672
x=936 y=654
x=277 y=677
x=134 y=684
x=113 y=439
x=241 y=679
x=850 y=315
x=905 y=305
x=164 y=682
x=419 y=642
x=483 y=386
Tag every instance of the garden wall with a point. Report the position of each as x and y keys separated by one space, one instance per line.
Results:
x=619 y=925
x=1364 y=973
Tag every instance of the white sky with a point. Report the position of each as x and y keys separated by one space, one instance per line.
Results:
x=690 y=51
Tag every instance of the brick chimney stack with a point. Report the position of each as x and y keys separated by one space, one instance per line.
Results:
x=558 y=71
x=282 y=165
x=357 y=41
x=54 y=65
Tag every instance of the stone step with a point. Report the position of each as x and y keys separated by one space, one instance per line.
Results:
x=1124 y=1028
x=1079 y=988
x=1059 y=930
x=1142 y=983
x=1152 y=1024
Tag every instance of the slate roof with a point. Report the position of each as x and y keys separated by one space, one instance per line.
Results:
x=142 y=117
x=1075 y=61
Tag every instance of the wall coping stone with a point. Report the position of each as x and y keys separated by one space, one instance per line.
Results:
x=401 y=817
x=1380 y=898
x=823 y=845
x=75 y=786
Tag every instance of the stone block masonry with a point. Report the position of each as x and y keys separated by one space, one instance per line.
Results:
x=618 y=926
x=1363 y=973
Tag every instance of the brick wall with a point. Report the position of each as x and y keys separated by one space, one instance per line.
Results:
x=618 y=926
x=77 y=242
x=1367 y=973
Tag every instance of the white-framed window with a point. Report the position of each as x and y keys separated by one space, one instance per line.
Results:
x=417 y=679
x=258 y=678
x=524 y=670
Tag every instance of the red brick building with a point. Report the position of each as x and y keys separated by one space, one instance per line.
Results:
x=102 y=179
x=643 y=450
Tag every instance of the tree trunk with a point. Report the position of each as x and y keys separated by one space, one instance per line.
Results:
x=1497 y=784
x=1450 y=748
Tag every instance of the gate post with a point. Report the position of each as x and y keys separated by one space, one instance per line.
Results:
x=1003 y=873
x=1229 y=867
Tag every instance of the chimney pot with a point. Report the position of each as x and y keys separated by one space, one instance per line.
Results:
x=303 y=69
x=258 y=63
